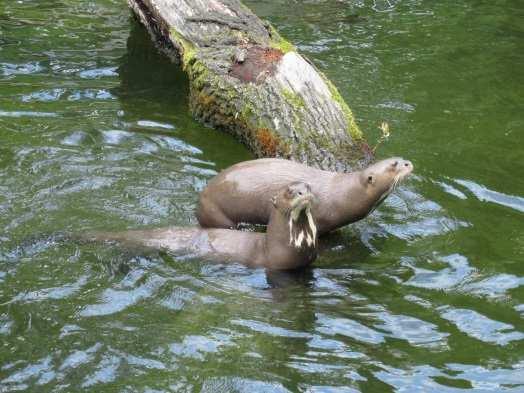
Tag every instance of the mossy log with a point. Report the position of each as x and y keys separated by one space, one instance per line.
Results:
x=245 y=78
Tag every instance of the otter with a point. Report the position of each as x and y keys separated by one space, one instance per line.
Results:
x=240 y=193
x=289 y=243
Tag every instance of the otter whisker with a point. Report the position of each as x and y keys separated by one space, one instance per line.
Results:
x=312 y=227
x=302 y=228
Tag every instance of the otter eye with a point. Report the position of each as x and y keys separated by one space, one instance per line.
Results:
x=299 y=192
x=370 y=179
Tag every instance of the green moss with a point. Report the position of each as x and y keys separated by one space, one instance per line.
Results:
x=278 y=42
x=247 y=112
x=188 y=50
x=353 y=128
x=293 y=98
x=248 y=118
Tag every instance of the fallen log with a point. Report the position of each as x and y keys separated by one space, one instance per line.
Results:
x=245 y=78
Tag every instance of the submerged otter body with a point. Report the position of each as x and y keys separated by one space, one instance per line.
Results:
x=289 y=243
x=241 y=193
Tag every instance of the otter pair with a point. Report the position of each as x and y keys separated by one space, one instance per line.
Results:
x=289 y=243
x=298 y=203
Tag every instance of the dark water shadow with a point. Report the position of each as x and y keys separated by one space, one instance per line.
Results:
x=147 y=77
x=155 y=89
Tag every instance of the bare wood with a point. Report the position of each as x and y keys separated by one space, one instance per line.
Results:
x=246 y=79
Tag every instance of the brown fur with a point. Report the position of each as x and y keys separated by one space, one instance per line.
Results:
x=241 y=193
x=277 y=249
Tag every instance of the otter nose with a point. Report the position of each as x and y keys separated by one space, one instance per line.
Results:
x=304 y=192
x=407 y=165
x=303 y=189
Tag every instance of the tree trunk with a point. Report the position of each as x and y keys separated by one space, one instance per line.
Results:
x=248 y=80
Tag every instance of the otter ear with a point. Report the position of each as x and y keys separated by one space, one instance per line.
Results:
x=274 y=200
x=393 y=167
x=371 y=179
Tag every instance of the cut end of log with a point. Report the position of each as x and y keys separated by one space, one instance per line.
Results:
x=256 y=64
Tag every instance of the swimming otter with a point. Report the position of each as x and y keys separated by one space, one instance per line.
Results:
x=290 y=241
x=240 y=194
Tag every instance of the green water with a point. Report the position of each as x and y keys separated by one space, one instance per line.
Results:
x=425 y=295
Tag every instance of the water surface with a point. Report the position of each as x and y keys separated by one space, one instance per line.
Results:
x=425 y=295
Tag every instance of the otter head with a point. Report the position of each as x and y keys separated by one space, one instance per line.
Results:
x=381 y=178
x=294 y=203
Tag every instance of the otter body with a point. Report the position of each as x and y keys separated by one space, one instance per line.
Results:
x=290 y=241
x=242 y=193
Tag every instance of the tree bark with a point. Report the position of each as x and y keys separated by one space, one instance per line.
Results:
x=245 y=78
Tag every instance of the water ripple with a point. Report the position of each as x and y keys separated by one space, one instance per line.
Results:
x=481 y=327
x=144 y=363
x=105 y=372
x=54 y=293
x=5 y=324
x=74 y=139
x=240 y=385
x=403 y=106
x=79 y=357
x=174 y=144
x=346 y=327
x=425 y=379
x=486 y=195
x=411 y=329
x=114 y=301
x=451 y=190
x=90 y=94
x=155 y=124
x=44 y=95
x=178 y=298
x=98 y=73
x=196 y=347
x=266 y=328
x=31 y=371
x=333 y=347
x=27 y=114
x=8 y=69
x=494 y=286
x=115 y=137
x=330 y=389
x=493 y=378
x=449 y=277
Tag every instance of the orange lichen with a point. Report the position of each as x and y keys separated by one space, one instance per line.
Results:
x=206 y=100
x=269 y=144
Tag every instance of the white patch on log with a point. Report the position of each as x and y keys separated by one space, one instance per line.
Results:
x=297 y=75
x=217 y=6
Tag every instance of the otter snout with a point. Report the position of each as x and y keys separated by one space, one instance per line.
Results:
x=405 y=167
x=401 y=166
x=302 y=195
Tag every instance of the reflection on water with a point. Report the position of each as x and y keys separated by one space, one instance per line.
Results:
x=480 y=327
x=424 y=295
x=458 y=272
x=484 y=194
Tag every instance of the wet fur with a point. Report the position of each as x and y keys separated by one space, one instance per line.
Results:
x=290 y=241
x=242 y=192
